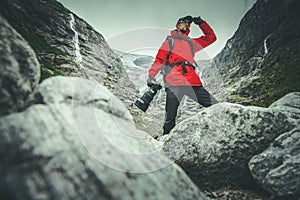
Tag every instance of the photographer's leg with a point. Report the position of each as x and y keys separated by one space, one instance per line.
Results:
x=172 y=102
x=202 y=96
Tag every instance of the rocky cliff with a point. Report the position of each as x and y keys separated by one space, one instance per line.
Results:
x=260 y=63
x=66 y=45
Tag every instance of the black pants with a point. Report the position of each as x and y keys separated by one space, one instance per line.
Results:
x=174 y=97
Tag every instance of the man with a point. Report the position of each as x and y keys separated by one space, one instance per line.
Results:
x=175 y=58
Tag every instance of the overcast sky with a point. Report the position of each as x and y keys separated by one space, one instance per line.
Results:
x=126 y=21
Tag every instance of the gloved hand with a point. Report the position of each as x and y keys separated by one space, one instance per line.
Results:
x=151 y=81
x=198 y=20
x=189 y=19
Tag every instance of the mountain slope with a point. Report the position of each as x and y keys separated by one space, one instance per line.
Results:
x=260 y=63
x=67 y=45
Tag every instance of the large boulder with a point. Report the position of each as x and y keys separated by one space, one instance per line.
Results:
x=277 y=169
x=290 y=105
x=215 y=146
x=80 y=142
x=20 y=70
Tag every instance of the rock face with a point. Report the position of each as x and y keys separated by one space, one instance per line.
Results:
x=61 y=39
x=290 y=105
x=71 y=147
x=66 y=45
x=20 y=71
x=77 y=141
x=215 y=146
x=260 y=63
x=277 y=168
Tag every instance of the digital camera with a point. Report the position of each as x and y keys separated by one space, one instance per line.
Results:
x=144 y=102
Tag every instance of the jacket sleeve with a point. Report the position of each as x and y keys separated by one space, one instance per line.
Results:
x=208 y=38
x=160 y=59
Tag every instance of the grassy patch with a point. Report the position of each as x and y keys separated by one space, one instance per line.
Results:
x=48 y=70
x=38 y=43
x=237 y=99
x=280 y=79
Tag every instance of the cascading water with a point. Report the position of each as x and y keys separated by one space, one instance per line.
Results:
x=78 y=57
x=265 y=46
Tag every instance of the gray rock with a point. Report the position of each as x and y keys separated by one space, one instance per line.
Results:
x=277 y=169
x=81 y=143
x=290 y=105
x=20 y=70
x=215 y=146
x=66 y=44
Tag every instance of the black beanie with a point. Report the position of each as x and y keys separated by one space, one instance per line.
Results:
x=184 y=19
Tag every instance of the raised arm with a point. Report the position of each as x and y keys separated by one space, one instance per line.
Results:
x=208 y=38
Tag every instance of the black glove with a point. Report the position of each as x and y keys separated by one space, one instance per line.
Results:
x=151 y=81
x=187 y=18
x=198 y=20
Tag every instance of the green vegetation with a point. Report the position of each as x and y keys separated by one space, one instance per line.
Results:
x=283 y=76
x=280 y=76
x=280 y=79
x=48 y=70
x=238 y=99
x=280 y=70
x=38 y=43
x=31 y=21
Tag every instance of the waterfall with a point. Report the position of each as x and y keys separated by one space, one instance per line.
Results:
x=265 y=46
x=78 y=57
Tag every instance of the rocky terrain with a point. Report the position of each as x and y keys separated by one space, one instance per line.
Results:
x=66 y=45
x=260 y=63
x=68 y=129
x=233 y=146
x=74 y=139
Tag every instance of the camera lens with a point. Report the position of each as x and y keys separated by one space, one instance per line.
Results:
x=143 y=102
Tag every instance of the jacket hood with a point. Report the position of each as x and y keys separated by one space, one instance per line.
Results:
x=177 y=33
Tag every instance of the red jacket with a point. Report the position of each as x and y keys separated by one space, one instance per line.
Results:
x=182 y=52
